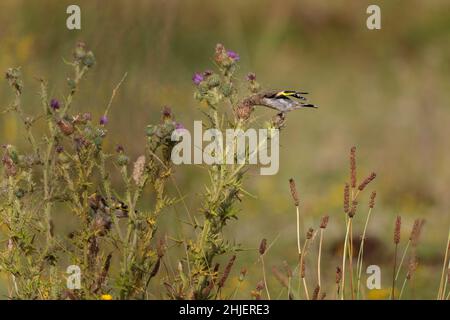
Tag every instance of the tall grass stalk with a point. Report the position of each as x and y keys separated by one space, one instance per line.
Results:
x=360 y=260
x=397 y=230
x=323 y=226
x=444 y=274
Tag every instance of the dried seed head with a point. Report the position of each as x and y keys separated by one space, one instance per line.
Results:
x=346 y=197
x=338 y=275
x=287 y=269
x=226 y=272
x=66 y=127
x=280 y=277
x=324 y=222
x=412 y=266
x=352 y=211
x=10 y=167
x=373 y=195
x=242 y=274
x=294 y=192
x=260 y=286
x=416 y=231
x=310 y=233
x=243 y=111
x=367 y=181
x=262 y=246
x=302 y=269
x=138 y=169
x=398 y=225
x=353 y=167
x=315 y=295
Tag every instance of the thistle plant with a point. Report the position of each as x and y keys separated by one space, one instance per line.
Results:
x=219 y=95
x=67 y=169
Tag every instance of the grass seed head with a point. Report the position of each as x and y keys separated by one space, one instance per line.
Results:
x=324 y=222
x=398 y=225
x=352 y=211
x=416 y=231
x=353 y=167
x=294 y=192
x=346 y=197
x=315 y=295
x=338 y=275
x=226 y=272
x=366 y=181
x=373 y=195
x=262 y=247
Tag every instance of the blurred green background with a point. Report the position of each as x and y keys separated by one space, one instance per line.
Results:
x=384 y=91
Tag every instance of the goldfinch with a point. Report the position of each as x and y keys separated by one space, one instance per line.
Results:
x=282 y=100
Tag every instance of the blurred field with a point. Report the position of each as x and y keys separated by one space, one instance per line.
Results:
x=386 y=91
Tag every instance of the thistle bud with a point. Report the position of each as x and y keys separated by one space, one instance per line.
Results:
x=213 y=81
x=89 y=60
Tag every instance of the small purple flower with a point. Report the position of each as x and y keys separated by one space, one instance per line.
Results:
x=59 y=149
x=197 y=78
x=233 y=55
x=179 y=126
x=103 y=120
x=54 y=104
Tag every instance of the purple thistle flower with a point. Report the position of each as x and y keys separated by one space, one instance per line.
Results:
x=54 y=104
x=233 y=55
x=103 y=120
x=197 y=78
x=179 y=126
